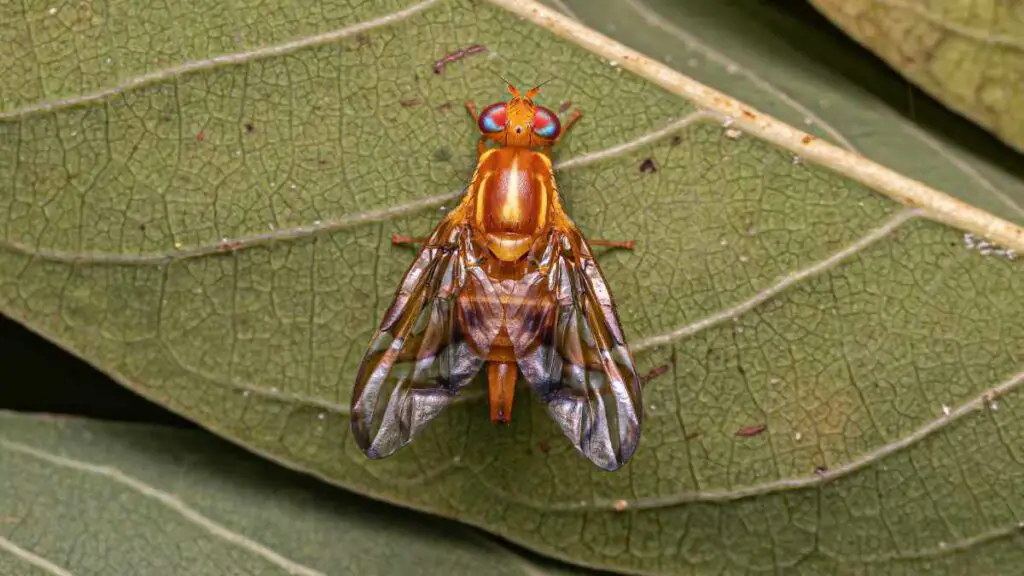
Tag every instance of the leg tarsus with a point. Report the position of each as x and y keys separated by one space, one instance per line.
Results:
x=404 y=240
x=471 y=108
x=624 y=244
x=569 y=123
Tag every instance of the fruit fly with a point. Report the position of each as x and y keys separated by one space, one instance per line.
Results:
x=507 y=281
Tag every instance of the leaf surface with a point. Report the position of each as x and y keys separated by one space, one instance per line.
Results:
x=213 y=232
x=969 y=55
x=89 y=497
x=789 y=65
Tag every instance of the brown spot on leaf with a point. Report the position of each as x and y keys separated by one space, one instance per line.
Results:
x=249 y=127
x=749 y=114
x=442 y=154
x=544 y=446
x=201 y=136
x=676 y=140
x=410 y=102
x=755 y=430
x=658 y=371
x=444 y=61
x=807 y=139
x=647 y=166
x=565 y=106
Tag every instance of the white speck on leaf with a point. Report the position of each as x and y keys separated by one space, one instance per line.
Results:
x=945 y=410
x=52 y=11
x=797 y=436
x=733 y=133
x=321 y=416
x=613 y=63
x=316 y=222
x=994 y=406
x=732 y=68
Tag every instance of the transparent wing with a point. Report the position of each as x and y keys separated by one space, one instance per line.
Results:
x=571 y=349
x=431 y=343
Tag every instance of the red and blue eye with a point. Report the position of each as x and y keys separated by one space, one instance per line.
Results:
x=545 y=123
x=492 y=119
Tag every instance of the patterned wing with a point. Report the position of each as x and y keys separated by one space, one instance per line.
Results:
x=571 y=349
x=431 y=343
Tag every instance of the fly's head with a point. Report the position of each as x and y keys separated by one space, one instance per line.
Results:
x=520 y=122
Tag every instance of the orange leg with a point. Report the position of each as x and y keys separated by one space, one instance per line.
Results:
x=481 y=145
x=624 y=244
x=575 y=116
x=501 y=383
x=403 y=240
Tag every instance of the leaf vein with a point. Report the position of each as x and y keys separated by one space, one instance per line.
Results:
x=228 y=246
x=787 y=281
x=979 y=402
x=33 y=559
x=224 y=59
x=167 y=499
x=650 y=17
x=982 y=36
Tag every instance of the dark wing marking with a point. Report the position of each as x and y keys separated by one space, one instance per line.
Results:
x=431 y=343
x=572 y=351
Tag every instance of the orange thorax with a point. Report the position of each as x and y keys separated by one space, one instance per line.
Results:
x=511 y=192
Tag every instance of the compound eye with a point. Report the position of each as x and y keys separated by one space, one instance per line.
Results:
x=492 y=119
x=545 y=123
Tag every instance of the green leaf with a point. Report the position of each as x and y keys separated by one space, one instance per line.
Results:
x=87 y=497
x=784 y=63
x=212 y=231
x=969 y=56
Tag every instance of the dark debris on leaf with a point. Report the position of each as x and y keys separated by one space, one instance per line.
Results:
x=755 y=430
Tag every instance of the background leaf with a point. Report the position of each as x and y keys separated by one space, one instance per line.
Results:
x=968 y=55
x=83 y=497
x=214 y=236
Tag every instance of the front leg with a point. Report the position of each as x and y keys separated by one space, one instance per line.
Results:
x=576 y=115
x=471 y=108
x=481 y=145
x=569 y=123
